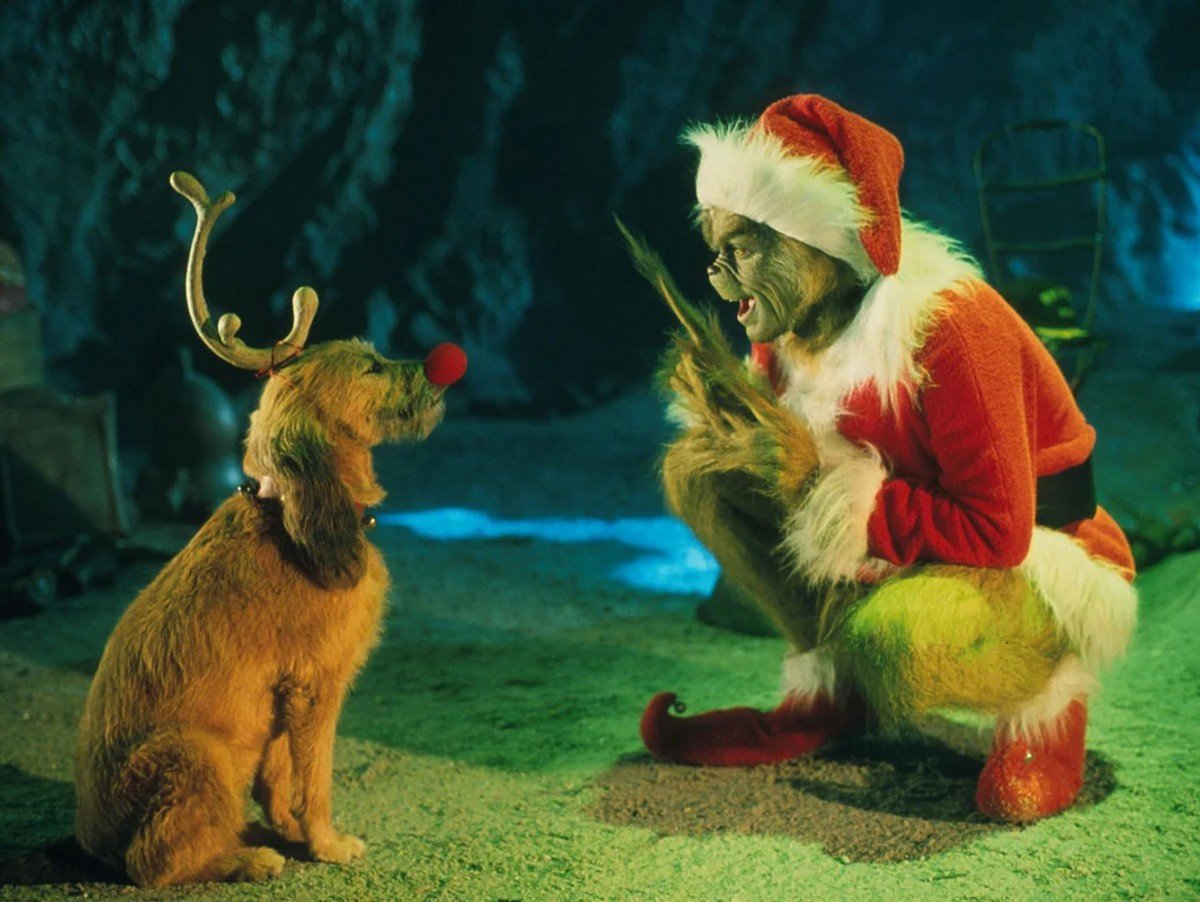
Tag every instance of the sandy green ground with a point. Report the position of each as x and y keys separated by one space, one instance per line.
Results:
x=489 y=750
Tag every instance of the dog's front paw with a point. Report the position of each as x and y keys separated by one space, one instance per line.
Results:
x=252 y=865
x=339 y=848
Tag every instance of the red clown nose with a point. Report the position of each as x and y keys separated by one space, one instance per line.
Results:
x=445 y=364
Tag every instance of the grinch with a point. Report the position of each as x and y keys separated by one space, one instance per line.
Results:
x=898 y=475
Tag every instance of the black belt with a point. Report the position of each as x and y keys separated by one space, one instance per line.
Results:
x=1066 y=497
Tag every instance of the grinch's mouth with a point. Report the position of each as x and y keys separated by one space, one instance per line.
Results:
x=745 y=306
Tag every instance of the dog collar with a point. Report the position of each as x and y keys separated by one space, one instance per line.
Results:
x=265 y=489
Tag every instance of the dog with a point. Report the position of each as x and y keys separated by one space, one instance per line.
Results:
x=229 y=670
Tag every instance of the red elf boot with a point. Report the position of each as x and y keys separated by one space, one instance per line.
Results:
x=742 y=737
x=1026 y=779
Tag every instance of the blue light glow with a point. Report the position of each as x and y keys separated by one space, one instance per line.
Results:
x=676 y=564
x=1179 y=236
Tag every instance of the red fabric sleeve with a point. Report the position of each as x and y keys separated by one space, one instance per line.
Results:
x=977 y=408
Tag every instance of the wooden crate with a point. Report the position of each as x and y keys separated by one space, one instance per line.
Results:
x=21 y=362
x=61 y=458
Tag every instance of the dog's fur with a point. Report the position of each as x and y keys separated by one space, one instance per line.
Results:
x=228 y=671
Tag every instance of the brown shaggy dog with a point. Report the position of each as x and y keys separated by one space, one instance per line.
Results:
x=228 y=671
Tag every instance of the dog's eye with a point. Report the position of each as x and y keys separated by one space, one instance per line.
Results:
x=375 y=367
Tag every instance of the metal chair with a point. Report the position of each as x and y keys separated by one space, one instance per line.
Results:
x=1042 y=298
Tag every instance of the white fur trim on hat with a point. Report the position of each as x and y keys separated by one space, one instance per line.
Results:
x=748 y=171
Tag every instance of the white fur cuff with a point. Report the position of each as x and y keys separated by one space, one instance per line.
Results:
x=809 y=673
x=1040 y=718
x=826 y=538
x=1091 y=601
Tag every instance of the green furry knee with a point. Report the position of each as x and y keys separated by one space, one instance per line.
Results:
x=943 y=636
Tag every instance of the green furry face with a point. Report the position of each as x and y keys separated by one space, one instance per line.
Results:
x=780 y=285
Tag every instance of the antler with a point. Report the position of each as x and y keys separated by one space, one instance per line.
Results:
x=222 y=338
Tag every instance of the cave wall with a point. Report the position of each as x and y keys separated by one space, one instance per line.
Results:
x=448 y=170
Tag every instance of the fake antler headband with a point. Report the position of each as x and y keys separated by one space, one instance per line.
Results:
x=221 y=338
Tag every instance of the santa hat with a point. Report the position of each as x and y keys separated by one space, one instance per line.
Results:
x=813 y=171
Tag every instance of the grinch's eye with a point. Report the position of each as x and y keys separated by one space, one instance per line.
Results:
x=375 y=367
x=741 y=253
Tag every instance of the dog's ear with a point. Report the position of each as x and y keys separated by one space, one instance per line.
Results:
x=318 y=514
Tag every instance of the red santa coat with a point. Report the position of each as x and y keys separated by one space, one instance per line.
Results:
x=936 y=413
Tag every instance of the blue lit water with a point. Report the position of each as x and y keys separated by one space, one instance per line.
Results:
x=670 y=558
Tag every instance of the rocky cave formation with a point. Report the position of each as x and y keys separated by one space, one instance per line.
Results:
x=448 y=170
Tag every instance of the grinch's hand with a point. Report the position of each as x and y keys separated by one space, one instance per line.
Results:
x=777 y=451
x=768 y=444
x=706 y=381
x=794 y=459
x=733 y=421
x=686 y=376
x=701 y=369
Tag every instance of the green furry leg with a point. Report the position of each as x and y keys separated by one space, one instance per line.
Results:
x=943 y=636
x=739 y=524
